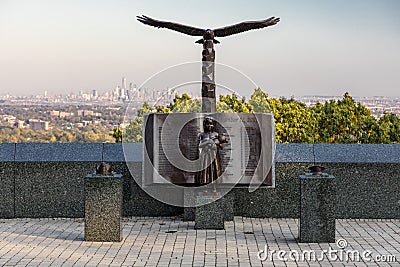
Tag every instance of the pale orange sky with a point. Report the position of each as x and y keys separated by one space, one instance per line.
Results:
x=318 y=48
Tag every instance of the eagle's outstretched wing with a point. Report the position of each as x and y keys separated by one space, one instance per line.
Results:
x=171 y=25
x=245 y=26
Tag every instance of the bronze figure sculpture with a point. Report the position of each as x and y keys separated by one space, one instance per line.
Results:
x=209 y=142
x=104 y=169
x=208 y=54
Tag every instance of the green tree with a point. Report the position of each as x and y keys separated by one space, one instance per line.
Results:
x=53 y=138
x=344 y=121
x=133 y=132
x=259 y=101
x=236 y=105
x=182 y=103
x=146 y=108
x=389 y=129
x=117 y=134
x=294 y=122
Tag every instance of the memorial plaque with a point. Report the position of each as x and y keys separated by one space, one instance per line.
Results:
x=171 y=151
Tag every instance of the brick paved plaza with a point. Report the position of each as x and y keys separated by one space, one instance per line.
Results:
x=173 y=242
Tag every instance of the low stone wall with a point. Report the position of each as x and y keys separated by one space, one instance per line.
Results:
x=46 y=180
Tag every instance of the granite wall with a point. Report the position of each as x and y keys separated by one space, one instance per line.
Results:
x=46 y=180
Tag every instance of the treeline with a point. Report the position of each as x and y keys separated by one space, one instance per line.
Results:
x=62 y=129
x=89 y=134
x=342 y=121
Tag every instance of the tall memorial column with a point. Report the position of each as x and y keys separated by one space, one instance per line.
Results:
x=208 y=78
x=214 y=156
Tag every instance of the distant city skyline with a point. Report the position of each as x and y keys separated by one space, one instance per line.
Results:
x=318 y=48
x=135 y=98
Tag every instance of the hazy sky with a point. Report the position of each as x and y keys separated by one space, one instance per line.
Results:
x=318 y=48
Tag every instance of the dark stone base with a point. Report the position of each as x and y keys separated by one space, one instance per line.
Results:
x=189 y=200
x=227 y=202
x=211 y=215
x=317 y=209
x=103 y=208
x=189 y=214
x=7 y=195
x=54 y=189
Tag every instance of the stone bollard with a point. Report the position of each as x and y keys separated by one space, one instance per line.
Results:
x=103 y=208
x=317 y=208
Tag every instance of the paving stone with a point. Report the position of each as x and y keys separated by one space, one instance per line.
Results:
x=148 y=246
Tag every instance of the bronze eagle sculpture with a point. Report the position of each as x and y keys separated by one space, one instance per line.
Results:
x=208 y=55
x=209 y=34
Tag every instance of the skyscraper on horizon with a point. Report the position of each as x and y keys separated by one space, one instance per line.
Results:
x=123 y=88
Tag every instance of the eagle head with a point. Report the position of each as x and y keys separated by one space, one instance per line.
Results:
x=208 y=34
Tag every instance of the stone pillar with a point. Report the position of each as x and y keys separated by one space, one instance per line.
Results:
x=227 y=203
x=317 y=208
x=189 y=201
x=210 y=212
x=224 y=206
x=103 y=208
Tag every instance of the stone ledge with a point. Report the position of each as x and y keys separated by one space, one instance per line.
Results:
x=7 y=152
x=294 y=153
x=38 y=152
x=111 y=152
x=126 y=152
x=355 y=153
